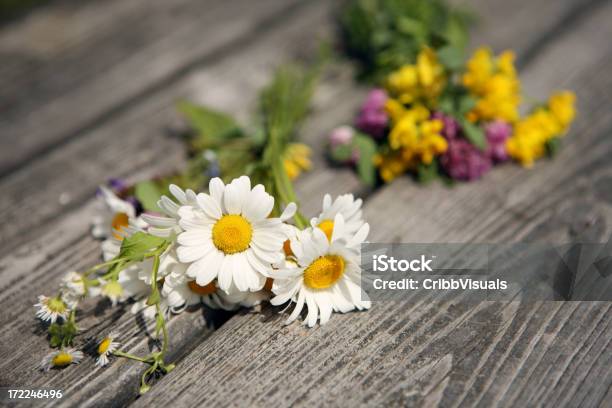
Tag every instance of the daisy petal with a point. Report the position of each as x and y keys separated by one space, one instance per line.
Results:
x=313 y=311
x=258 y=205
x=231 y=199
x=216 y=189
x=209 y=205
x=360 y=236
x=178 y=193
x=299 y=305
x=225 y=273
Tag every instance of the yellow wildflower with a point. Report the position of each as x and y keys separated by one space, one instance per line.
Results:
x=561 y=105
x=533 y=132
x=390 y=165
x=495 y=84
x=296 y=159
x=415 y=138
x=527 y=144
x=394 y=109
x=423 y=81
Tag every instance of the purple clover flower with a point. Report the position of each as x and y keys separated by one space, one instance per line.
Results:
x=451 y=126
x=464 y=161
x=372 y=118
x=497 y=133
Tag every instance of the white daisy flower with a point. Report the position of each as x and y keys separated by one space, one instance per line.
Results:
x=327 y=274
x=114 y=214
x=51 y=309
x=229 y=237
x=345 y=205
x=106 y=347
x=165 y=226
x=61 y=358
x=73 y=288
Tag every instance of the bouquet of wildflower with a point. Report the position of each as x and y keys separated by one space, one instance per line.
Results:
x=240 y=243
x=383 y=35
x=441 y=117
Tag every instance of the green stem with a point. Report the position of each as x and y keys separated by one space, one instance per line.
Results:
x=101 y=266
x=147 y=360
x=72 y=317
x=164 y=330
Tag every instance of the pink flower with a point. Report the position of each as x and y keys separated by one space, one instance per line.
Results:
x=372 y=118
x=341 y=135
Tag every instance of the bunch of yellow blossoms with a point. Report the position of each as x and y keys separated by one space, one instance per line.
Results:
x=414 y=137
x=423 y=81
x=532 y=133
x=445 y=115
x=495 y=84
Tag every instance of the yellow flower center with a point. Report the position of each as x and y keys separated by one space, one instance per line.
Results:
x=120 y=220
x=202 y=290
x=232 y=233
x=104 y=345
x=56 y=305
x=327 y=226
x=61 y=359
x=324 y=272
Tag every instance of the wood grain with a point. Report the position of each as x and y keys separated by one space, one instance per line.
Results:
x=412 y=353
x=75 y=67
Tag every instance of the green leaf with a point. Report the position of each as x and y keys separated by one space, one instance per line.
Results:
x=385 y=34
x=365 y=165
x=212 y=127
x=427 y=173
x=62 y=334
x=451 y=57
x=553 y=146
x=135 y=247
x=446 y=104
x=456 y=31
x=410 y=26
x=148 y=194
x=473 y=133
x=465 y=104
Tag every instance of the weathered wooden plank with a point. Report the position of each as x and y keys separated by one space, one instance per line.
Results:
x=373 y=358
x=75 y=66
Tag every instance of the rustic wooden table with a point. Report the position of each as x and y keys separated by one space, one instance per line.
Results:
x=87 y=91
